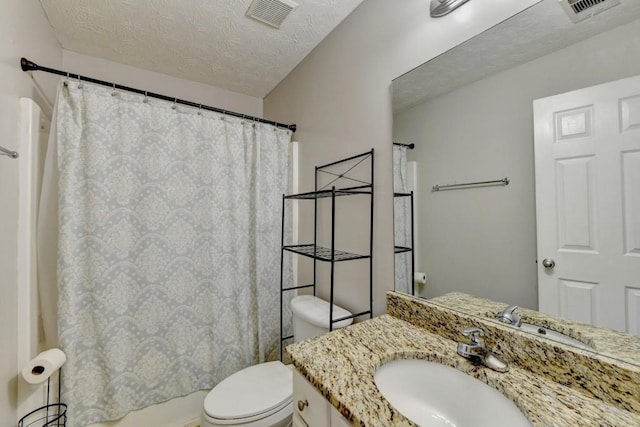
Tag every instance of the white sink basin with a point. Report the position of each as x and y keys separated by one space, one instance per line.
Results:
x=556 y=336
x=431 y=394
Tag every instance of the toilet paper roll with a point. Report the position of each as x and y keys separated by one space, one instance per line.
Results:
x=420 y=278
x=43 y=366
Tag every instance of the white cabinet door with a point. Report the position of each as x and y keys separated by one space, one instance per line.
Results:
x=308 y=403
x=587 y=154
x=298 y=421
x=337 y=420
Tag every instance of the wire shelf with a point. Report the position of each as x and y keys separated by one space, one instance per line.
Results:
x=343 y=180
x=363 y=189
x=52 y=415
x=323 y=254
x=402 y=249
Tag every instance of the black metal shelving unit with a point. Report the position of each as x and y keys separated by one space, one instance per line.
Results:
x=405 y=249
x=330 y=254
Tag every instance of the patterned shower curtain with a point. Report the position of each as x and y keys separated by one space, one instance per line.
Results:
x=401 y=221
x=168 y=248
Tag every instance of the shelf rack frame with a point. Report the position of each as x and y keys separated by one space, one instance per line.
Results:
x=404 y=249
x=330 y=254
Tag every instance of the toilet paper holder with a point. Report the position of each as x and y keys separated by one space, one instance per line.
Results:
x=49 y=415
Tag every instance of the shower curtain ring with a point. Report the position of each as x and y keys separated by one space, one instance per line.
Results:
x=80 y=85
x=173 y=107
x=200 y=109
x=114 y=93
x=66 y=80
x=146 y=99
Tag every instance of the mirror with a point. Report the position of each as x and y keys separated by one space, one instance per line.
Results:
x=469 y=113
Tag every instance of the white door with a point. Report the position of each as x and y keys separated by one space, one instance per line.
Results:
x=587 y=154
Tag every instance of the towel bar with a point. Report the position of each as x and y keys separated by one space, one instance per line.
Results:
x=503 y=181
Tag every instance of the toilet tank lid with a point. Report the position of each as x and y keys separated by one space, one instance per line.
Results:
x=316 y=311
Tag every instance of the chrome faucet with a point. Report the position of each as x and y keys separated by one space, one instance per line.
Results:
x=509 y=316
x=476 y=351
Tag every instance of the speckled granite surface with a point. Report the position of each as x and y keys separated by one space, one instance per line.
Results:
x=606 y=341
x=341 y=365
x=594 y=375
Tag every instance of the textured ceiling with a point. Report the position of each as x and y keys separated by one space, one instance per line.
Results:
x=541 y=29
x=208 y=41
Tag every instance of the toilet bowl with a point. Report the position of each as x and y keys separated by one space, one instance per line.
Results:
x=261 y=395
x=258 y=396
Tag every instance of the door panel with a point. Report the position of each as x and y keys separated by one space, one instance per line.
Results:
x=575 y=123
x=587 y=154
x=574 y=187
x=579 y=300
x=633 y=310
x=631 y=184
x=630 y=113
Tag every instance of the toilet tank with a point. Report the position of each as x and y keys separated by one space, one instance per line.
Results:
x=311 y=317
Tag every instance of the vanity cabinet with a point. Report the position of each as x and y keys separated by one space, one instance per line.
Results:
x=337 y=420
x=311 y=408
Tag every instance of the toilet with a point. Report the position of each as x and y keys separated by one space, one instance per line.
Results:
x=261 y=395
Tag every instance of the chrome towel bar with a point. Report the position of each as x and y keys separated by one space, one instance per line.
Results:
x=5 y=152
x=503 y=181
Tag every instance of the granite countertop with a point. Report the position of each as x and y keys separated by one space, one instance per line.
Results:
x=341 y=365
x=616 y=344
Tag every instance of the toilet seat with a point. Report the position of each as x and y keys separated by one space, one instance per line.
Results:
x=278 y=416
x=251 y=394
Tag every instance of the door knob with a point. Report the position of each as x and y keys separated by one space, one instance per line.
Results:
x=548 y=263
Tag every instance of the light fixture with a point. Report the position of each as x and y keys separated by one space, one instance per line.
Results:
x=441 y=8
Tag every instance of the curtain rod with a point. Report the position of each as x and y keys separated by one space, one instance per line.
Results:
x=409 y=146
x=32 y=66
x=7 y=152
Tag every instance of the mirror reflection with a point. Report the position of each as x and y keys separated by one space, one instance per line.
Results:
x=541 y=241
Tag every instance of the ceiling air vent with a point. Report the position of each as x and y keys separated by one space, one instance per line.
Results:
x=271 y=12
x=579 y=10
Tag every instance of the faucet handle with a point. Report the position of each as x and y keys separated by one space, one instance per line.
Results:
x=510 y=309
x=509 y=316
x=473 y=333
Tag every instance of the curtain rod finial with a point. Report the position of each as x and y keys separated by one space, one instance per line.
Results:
x=28 y=65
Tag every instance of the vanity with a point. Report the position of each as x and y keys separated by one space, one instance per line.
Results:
x=310 y=406
x=550 y=383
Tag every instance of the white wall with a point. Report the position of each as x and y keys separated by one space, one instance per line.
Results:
x=24 y=31
x=163 y=84
x=483 y=241
x=340 y=98
x=34 y=128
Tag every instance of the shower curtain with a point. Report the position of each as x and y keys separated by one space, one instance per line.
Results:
x=401 y=221
x=169 y=223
